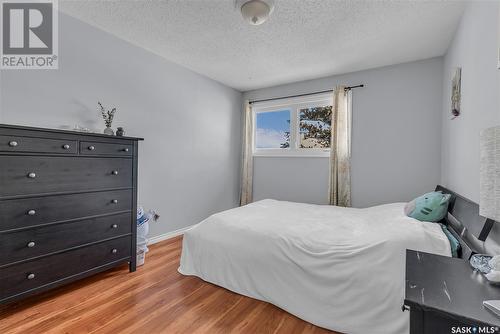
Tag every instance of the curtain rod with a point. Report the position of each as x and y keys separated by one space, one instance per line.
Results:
x=306 y=94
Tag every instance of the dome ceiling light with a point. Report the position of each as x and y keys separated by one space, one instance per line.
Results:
x=256 y=12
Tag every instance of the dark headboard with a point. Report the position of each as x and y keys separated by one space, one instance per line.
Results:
x=465 y=223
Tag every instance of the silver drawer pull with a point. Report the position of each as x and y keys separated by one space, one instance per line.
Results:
x=66 y=146
x=125 y=150
x=13 y=143
x=31 y=212
x=31 y=175
x=114 y=251
x=114 y=201
x=30 y=276
x=115 y=172
x=31 y=244
x=114 y=226
x=91 y=148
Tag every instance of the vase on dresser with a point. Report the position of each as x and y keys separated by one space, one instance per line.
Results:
x=108 y=131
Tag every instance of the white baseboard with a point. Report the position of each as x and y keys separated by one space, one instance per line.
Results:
x=168 y=235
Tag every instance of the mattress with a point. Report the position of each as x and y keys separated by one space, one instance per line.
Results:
x=339 y=268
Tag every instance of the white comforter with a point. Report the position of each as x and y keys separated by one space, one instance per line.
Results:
x=338 y=268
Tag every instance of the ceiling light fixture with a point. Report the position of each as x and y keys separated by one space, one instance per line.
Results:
x=256 y=12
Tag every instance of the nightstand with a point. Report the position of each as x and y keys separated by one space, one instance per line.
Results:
x=445 y=295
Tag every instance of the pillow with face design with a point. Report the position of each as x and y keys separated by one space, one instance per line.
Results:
x=431 y=207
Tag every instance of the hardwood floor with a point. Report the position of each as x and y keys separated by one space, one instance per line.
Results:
x=155 y=299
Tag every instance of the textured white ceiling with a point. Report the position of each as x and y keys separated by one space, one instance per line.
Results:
x=303 y=39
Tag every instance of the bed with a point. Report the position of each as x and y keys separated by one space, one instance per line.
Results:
x=338 y=268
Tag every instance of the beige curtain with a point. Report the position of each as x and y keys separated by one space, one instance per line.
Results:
x=339 y=192
x=247 y=163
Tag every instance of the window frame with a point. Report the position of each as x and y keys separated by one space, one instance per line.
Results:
x=293 y=105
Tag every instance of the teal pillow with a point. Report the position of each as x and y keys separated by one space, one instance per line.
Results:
x=430 y=207
x=454 y=243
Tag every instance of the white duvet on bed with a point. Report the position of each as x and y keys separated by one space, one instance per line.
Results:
x=338 y=268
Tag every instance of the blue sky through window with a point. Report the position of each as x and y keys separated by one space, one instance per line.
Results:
x=271 y=128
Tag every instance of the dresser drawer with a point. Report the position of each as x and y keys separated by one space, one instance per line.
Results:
x=30 y=275
x=23 y=213
x=37 y=145
x=95 y=148
x=22 y=245
x=28 y=175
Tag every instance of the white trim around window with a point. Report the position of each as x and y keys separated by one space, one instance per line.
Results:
x=294 y=105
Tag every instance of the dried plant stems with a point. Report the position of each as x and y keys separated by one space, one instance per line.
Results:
x=107 y=115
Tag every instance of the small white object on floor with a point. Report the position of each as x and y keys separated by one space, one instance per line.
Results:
x=141 y=257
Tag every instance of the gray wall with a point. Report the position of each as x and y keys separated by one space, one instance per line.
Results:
x=297 y=179
x=475 y=49
x=395 y=141
x=189 y=161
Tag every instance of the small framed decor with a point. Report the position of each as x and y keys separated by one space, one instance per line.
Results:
x=498 y=39
x=456 y=94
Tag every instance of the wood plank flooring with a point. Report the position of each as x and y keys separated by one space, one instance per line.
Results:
x=155 y=299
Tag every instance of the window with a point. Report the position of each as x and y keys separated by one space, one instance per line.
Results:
x=293 y=127
x=272 y=129
x=315 y=127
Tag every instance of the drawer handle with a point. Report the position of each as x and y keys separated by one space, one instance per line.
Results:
x=66 y=146
x=91 y=148
x=31 y=244
x=114 y=226
x=115 y=172
x=31 y=175
x=114 y=251
x=114 y=201
x=30 y=276
x=125 y=149
x=13 y=143
x=31 y=212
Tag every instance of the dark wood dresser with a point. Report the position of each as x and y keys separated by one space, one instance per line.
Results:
x=68 y=203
